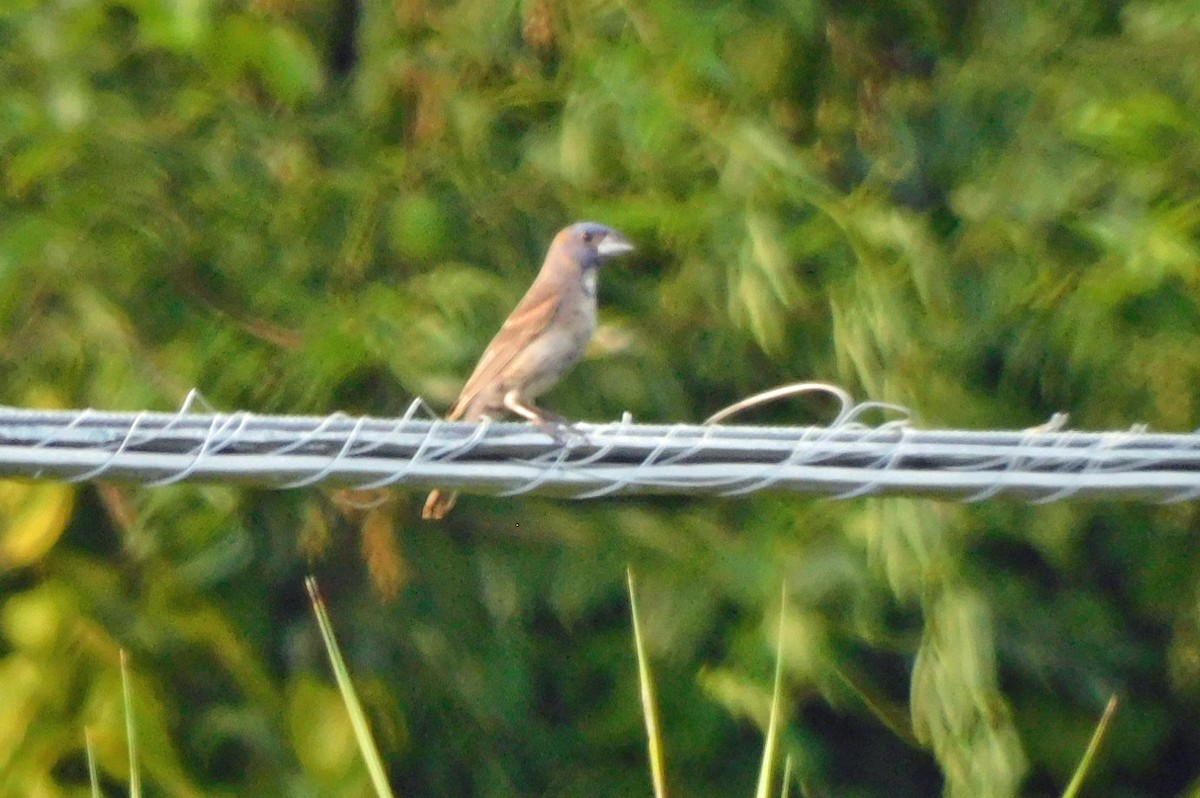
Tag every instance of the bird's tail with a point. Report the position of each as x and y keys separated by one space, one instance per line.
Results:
x=438 y=505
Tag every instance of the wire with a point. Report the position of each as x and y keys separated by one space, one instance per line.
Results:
x=845 y=459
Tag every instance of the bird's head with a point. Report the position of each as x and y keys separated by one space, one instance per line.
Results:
x=590 y=244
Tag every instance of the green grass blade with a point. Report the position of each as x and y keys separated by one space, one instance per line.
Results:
x=649 y=703
x=787 y=777
x=135 y=777
x=358 y=718
x=891 y=715
x=1089 y=755
x=771 y=746
x=93 y=775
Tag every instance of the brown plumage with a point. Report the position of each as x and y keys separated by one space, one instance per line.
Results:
x=542 y=338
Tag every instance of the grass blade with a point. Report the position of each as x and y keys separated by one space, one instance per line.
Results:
x=649 y=703
x=1093 y=747
x=358 y=718
x=93 y=775
x=135 y=777
x=771 y=746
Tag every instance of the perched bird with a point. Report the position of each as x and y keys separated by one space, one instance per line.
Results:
x=542 y=338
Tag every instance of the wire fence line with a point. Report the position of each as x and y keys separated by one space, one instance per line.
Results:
x=846 y=458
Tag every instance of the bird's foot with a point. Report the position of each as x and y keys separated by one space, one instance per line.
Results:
x=550 y=417
x=562 y=431
x=552 y=424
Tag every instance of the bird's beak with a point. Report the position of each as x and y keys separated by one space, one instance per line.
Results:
x=612 y=244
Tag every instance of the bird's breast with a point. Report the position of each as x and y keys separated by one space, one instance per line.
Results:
x=559 y=347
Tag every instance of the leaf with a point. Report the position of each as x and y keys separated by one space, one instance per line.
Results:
x=33 y=516
x=290 y=66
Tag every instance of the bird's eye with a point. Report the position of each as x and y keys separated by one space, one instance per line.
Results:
x=588 y=236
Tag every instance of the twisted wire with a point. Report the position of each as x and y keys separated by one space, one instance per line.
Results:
x=845 y=458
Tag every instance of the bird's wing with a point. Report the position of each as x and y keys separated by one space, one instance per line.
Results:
x=527 y=321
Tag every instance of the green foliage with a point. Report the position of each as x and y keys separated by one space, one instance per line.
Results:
x=984 y=211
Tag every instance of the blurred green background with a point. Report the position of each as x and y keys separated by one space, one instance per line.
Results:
x=986 y=211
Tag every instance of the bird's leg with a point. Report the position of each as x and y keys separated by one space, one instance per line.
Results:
x=552 y=424
x=513 y=403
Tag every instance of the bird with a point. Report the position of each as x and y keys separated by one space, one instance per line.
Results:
x=544 y=336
